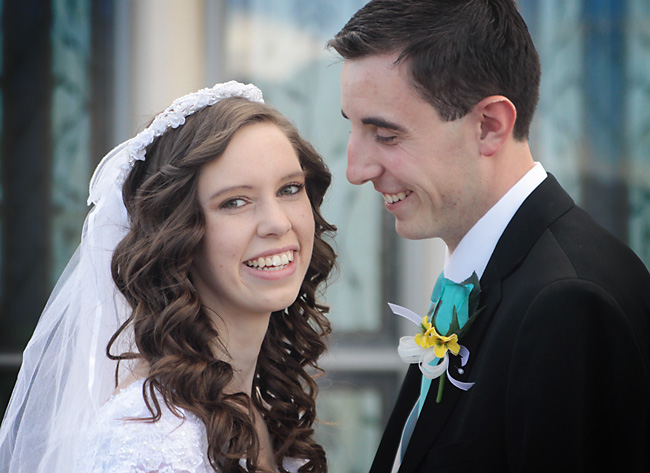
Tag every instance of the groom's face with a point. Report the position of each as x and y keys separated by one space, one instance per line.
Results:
x=428 y=170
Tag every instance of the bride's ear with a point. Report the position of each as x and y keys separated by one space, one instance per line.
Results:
x=497 y=116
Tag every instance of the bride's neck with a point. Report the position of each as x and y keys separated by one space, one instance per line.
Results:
x=139 y=371
x=240 y=344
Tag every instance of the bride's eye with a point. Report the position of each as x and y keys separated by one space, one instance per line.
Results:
x=291 y=189
x=233 y=203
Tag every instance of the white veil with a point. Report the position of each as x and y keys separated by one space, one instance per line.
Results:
x=65 y=374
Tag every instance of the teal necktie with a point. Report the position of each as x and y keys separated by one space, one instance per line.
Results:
x=447 y=297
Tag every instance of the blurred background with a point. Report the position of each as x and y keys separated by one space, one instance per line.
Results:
x=78 y=77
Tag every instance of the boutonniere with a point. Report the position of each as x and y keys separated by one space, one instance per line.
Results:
x=454 y=307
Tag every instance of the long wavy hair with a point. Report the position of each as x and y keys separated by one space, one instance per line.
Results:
x=172 y=330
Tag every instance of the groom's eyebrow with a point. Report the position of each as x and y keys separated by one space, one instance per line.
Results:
x=378 y=122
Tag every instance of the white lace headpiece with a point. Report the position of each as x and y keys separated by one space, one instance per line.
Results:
x=172 y=117
x=66 y=376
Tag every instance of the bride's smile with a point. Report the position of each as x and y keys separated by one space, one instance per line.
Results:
x=259 y=226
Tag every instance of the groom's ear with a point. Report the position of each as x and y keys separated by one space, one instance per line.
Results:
x=496 y=117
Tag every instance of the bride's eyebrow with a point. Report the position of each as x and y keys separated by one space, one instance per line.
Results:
x=294 y=175
x=228 y=190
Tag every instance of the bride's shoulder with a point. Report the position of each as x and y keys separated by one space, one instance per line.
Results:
x=120 y=441
x=127 y=404
x=123 y=440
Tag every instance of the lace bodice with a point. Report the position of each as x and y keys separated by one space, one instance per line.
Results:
x=170 y=445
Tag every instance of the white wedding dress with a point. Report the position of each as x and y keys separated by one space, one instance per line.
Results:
x=115 y=444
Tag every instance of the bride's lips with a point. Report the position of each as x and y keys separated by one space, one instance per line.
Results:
x=273 y=264
x=271 y=261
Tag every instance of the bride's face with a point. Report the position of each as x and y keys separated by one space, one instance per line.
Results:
x=259 y=226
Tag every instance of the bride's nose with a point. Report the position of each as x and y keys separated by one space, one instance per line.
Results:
x=274 y=220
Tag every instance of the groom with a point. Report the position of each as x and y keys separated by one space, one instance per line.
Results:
x=440 y=95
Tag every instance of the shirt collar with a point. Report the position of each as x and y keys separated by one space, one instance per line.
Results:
x=475 y=249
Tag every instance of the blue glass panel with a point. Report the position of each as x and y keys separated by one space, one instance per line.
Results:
x=605 y=187
x=1 y=128
x=280 y=46
x=637 y=129
x=592 y=127
x=71 y=48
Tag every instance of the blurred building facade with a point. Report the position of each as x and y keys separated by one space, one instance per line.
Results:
x=80 y=76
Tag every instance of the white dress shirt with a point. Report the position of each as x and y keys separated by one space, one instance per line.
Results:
x=472 y=255
x=475 y=249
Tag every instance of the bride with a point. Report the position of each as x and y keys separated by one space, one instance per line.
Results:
x=183 y=334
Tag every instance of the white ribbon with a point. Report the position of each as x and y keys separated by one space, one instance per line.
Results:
x=410 y=352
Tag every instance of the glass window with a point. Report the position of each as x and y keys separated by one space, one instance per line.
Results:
x=55 y=102
x=591 y=127
x=280 y=46
x=61 y=90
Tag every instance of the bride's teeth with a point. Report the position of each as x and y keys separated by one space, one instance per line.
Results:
x=269 y=262
x=401 y=195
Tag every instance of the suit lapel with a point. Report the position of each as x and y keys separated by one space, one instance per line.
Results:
x=434 y=416
x=429 y=425
x=387 y=450
x=547 y=203
x=544 y=205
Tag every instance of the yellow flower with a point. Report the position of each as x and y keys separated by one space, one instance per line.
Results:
x=429 y=337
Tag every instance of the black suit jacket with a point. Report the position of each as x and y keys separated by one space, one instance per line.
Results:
x=560 y=357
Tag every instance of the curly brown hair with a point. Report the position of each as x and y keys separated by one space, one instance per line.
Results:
x=173 y=333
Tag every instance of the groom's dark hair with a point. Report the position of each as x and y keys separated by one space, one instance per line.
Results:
x=458 y=51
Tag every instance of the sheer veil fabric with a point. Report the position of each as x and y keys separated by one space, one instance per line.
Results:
x=66 y=376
